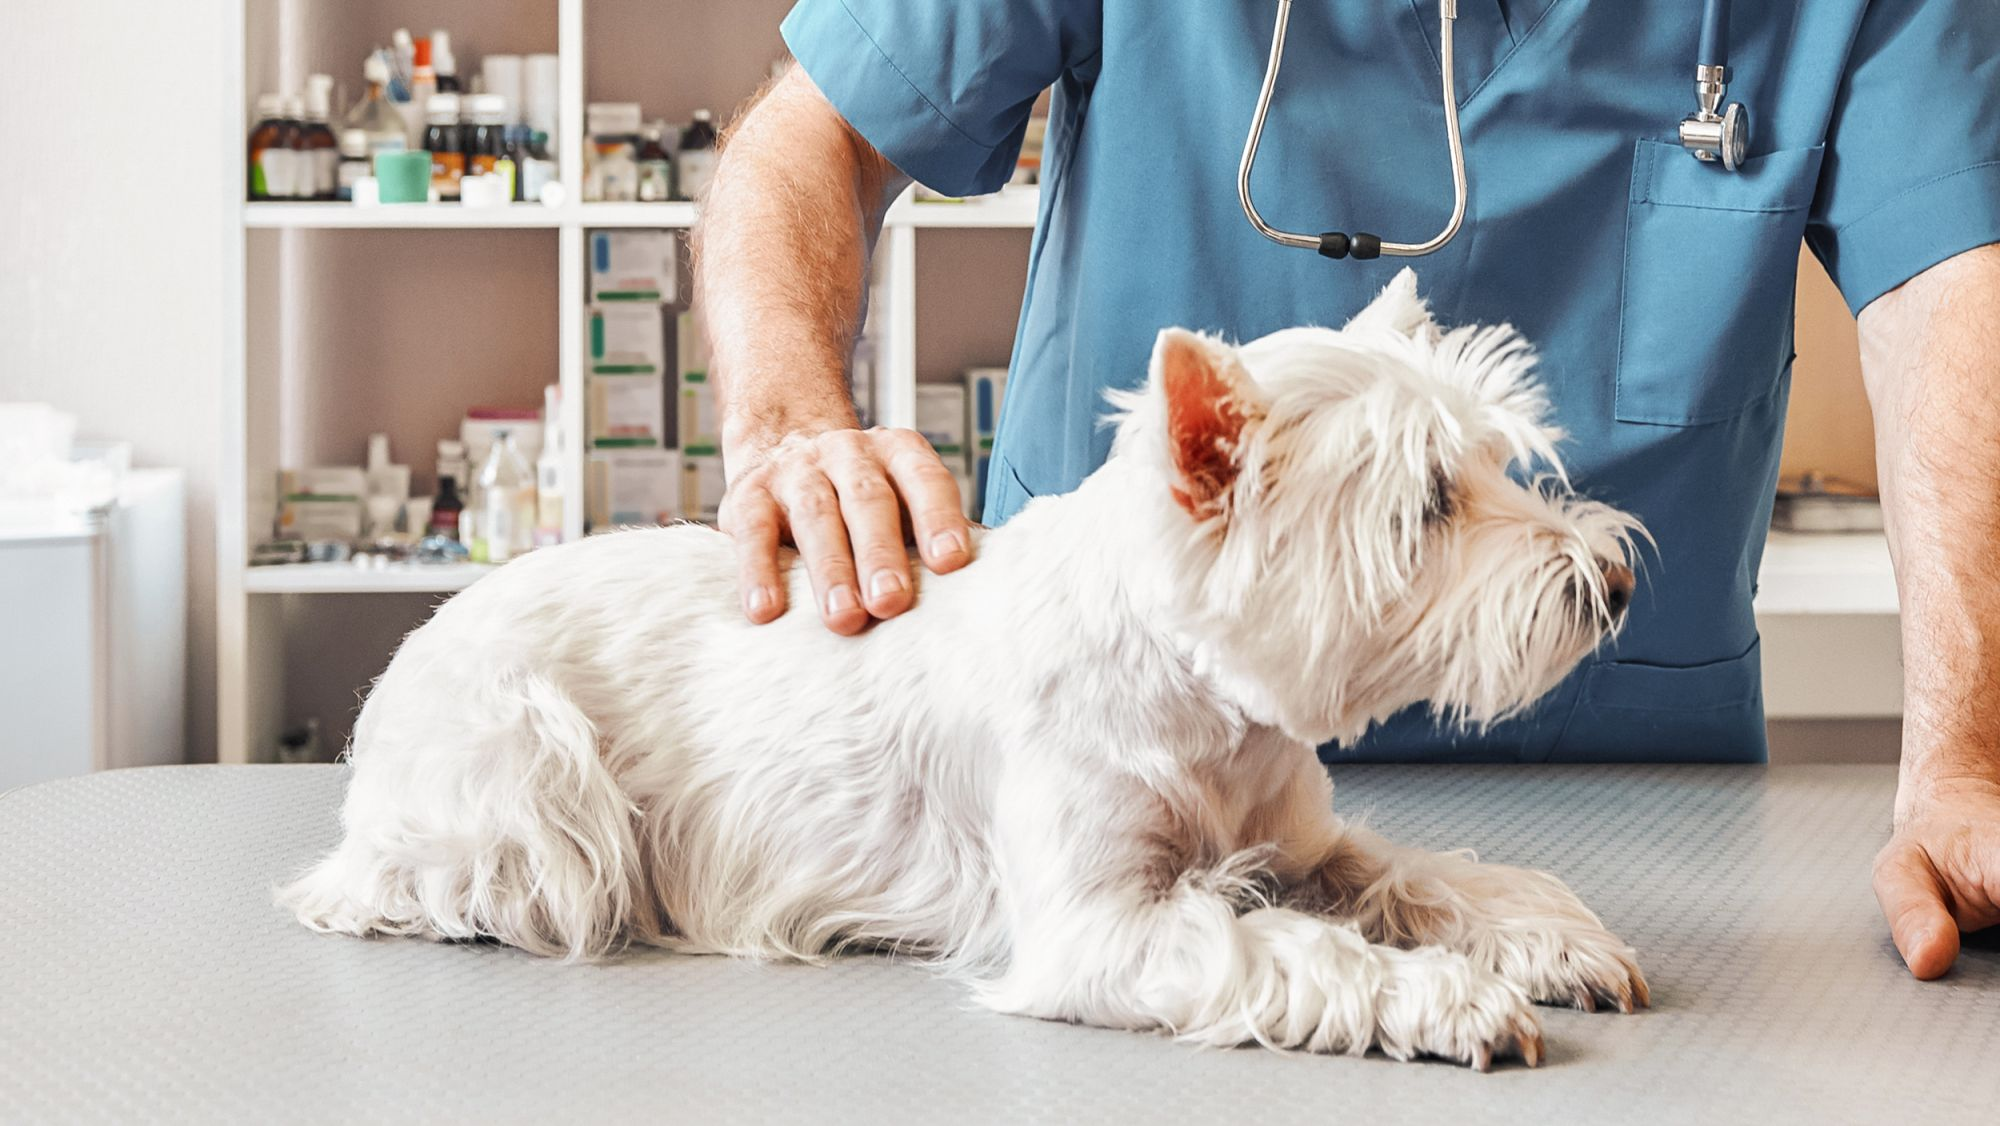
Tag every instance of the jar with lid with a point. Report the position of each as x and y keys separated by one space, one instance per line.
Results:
x=444 y=138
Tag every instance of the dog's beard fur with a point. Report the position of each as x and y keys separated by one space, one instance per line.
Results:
x=1080 y=774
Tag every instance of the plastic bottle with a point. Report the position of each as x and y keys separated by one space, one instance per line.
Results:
x=354 y=163
x=486 y=139
x=549 y=497
x=374 y=115
x=320 y=150
x=444 y=64
x=445 y=508
x=695 y=162
x=506 y=523
x=423 y=85
x=445 y=140
x=656 y=169
x=271 y=159
x=537 y=170
x=292 y=137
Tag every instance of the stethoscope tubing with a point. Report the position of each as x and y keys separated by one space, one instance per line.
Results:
x=1699 y=133
x=1447 y=14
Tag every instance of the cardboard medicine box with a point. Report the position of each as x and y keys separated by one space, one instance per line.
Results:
x=638 y=266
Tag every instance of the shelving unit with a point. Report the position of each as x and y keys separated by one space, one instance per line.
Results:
x=331 y=353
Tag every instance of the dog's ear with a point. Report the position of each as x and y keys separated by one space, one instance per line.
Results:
x=1396 y=309
x=1210 y=402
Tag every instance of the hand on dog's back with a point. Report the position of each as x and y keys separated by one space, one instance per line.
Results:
x=841 y=495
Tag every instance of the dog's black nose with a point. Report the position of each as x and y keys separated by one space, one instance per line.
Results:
x=1618 y=584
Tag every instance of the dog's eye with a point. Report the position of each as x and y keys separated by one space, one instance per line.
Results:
x=1438 y=507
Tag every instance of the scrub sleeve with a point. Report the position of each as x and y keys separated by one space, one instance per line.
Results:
x=1912 y=171
x=942 y=88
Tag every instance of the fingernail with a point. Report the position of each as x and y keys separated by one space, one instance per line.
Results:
x=884 y=584
x=840 y=600
x=946 y=544
x=761 y=600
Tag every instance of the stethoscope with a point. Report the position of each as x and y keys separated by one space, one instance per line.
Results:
x=1713 y=134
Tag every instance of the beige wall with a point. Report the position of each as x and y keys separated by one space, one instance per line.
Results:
x=1829 y=425
x=110 y=258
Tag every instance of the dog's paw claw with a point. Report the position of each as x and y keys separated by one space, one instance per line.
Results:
x=1482 y=1058
x=1532 y=1048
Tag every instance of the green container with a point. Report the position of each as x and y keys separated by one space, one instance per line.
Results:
x=403 y=177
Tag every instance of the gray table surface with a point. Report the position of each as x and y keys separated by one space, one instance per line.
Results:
x=144 y=974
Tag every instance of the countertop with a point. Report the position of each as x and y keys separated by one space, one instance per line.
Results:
x=144 y=974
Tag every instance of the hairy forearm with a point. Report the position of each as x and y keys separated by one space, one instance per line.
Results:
x=781 y=265
x=1931 y=360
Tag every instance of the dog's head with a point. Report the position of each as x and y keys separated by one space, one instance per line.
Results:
x=1352 y=525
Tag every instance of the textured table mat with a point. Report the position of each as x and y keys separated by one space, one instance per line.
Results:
x=144 y=975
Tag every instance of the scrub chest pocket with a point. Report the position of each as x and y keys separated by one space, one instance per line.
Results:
x=1691 y=229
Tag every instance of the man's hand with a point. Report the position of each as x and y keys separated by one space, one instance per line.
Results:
x=781 y=263
x=1928 y=356
x=1940 y=873
x=841 y=495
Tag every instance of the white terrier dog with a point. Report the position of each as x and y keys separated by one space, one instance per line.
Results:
x=1080 y=774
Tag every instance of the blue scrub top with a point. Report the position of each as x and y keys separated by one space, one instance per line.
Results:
x=1658 y=290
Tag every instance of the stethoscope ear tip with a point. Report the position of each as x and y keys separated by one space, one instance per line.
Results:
x=1360 y=246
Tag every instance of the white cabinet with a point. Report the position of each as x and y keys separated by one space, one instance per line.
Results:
x=93 y=637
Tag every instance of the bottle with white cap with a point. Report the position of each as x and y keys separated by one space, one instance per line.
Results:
x=270 y=158
x=694 y=161
x=374 y=115
x=445 y=140
x=444 y=64
x=296 y=179
x=319 y=151
x=354 y=163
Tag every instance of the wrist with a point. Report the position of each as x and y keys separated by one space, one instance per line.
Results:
x=749 y=438
x=1929 y=779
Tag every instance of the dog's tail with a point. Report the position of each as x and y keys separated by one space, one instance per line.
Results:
x=516 y=832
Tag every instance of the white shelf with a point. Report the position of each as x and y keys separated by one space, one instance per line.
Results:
x=350 y=578
x=397 y=216
x=1826 y=574
x=1014 y=209
x=631 y=214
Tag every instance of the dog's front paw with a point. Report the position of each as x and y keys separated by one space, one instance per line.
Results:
x=1436 y=1002
x=1570 y=962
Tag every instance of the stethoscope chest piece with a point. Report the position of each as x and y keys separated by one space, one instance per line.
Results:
x=1714 y=132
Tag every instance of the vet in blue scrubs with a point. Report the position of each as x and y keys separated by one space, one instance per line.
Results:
x=1658 y=290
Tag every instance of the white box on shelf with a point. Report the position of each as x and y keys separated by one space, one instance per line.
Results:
x=321 y=502
x=628 y=340
x=637 y=266
x=625 y=407
x=704 y=483
x=483 y=424
x=634 y=486
x=941 y=420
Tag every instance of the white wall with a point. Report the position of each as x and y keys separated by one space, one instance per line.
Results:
x=113 y=270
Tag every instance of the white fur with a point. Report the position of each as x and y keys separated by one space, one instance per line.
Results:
x=1080 y=775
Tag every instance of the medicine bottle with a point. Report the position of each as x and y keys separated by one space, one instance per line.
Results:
x=695 y=162
x=487 y=139
x=445 y=140
x=354 y=162
x=271 y=159
x=374 y=115
x=656 y=169
x=319 y=152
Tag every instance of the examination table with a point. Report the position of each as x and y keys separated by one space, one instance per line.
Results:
x=144 y=974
